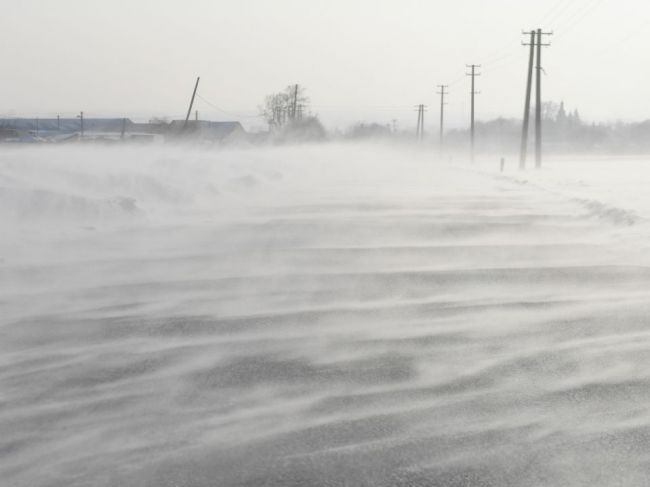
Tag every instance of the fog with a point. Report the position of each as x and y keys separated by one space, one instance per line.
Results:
x=324 y=314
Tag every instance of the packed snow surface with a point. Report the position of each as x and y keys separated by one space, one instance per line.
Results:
x=321 y=316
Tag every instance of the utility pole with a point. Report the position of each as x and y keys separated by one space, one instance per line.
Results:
x=442 y=94
x=58 y=123
x=538 y=107
x=81 y=118
x=196 y=115
x=529 y=82
x=536 y=41
x=189 y=110
x=473 y=74
x=123 y=128
x=419 y=133
x=295 y=103
x=422 y=110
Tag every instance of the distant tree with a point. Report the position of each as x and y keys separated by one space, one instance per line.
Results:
x=274 y=109
x=550 y=110
x=561 y=117
x=308 y=129
x=372 y=130
x=575 y=118
x=285 y=106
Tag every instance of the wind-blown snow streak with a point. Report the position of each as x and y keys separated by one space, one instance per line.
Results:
x=318 y=316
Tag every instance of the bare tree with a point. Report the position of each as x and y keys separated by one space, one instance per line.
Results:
x=285 y=106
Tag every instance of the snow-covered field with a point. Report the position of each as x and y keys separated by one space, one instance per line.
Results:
x=321 y=316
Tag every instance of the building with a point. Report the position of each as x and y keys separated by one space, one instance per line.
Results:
x=67 y=129
x=203 y=130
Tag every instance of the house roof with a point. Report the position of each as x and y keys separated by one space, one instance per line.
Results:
x=66 y=124
x=205 y=128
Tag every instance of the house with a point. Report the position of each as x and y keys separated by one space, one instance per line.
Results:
x=204 y=130
x=46 y=126
x=66 y=129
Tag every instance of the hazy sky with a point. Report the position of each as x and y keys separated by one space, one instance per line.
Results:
x=368 y=60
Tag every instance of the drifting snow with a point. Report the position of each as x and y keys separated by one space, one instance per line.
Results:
x=322 y=315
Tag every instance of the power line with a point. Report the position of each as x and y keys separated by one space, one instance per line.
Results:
x=455 y=81
x=507 y=50
x=558 y=15
x=198 y=95
x=571 y=23
x=613 y=44
x=505 y=62
x=552 y=11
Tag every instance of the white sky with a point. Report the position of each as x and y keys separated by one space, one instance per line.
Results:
x=367 y=60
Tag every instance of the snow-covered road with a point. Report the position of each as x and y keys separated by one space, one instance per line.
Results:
x=321 y=315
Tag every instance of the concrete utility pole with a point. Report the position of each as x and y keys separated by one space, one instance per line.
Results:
x=189 y=110
x=294 y=107
x=538 y=107
x=535 y=41
x=442 y=94
x=529 y=82
x=419 y=133
x=473 y=74
x=422 y=110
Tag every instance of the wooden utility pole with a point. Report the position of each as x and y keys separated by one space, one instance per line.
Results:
x=524 y=131
x=473 y=74
x=189 y=110
x=538 y=107
x=442 y=94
